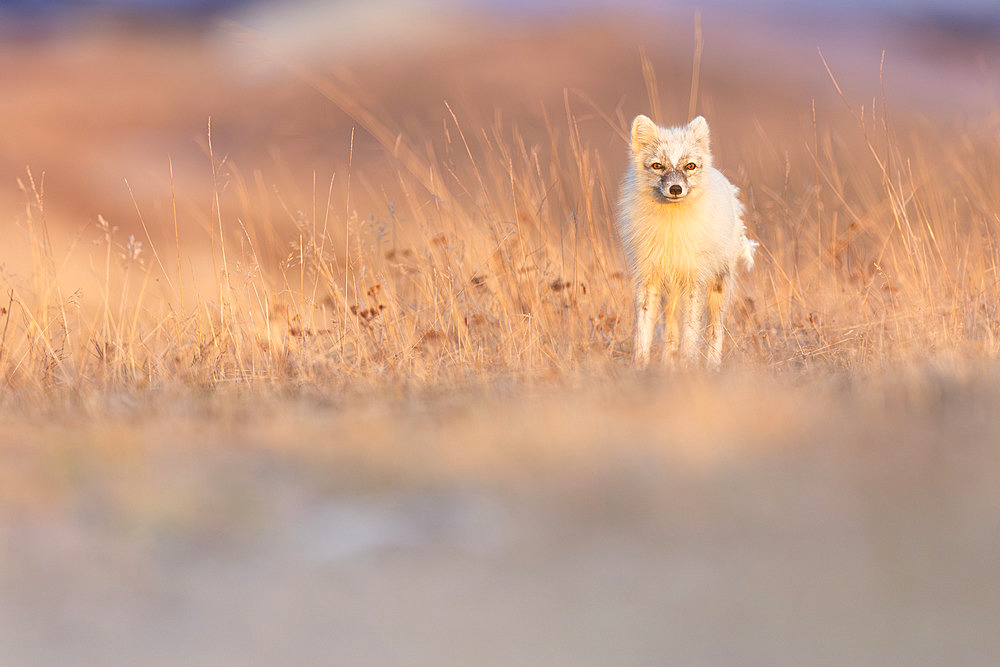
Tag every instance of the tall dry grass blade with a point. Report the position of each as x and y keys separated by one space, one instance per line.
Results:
x=699 y=46
x=652 y=91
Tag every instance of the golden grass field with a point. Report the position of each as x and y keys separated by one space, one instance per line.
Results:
x=342 y=373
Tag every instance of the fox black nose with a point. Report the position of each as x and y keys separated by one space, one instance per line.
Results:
x=676 y=190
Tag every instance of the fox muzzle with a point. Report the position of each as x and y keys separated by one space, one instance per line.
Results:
x=673 y=185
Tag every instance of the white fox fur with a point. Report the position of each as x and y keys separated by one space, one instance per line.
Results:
x=681 y=225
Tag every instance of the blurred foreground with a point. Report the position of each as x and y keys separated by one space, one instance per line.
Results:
x=624 y=520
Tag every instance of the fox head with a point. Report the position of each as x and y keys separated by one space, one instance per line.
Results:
x=672 y=162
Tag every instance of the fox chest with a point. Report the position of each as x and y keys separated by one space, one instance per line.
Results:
x=678 y=253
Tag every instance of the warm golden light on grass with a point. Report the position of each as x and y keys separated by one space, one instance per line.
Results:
x=496 y=258
x=324 y=353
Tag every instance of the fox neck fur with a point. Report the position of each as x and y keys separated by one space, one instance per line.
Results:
x=686 y=242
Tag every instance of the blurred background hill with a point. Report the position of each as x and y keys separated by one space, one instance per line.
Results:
x=98 y=92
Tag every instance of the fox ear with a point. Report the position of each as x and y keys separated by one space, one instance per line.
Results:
x=644 y=131
x=699 y=129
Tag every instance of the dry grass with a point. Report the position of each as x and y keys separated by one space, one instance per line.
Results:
x=482 y=254
x=363 y=346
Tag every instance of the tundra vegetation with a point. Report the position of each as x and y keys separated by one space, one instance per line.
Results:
x=353 y=281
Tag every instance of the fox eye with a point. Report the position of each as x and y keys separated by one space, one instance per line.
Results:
x=690 y=166
x=656 y=165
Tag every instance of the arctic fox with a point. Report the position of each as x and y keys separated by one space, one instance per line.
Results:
x=682 y=229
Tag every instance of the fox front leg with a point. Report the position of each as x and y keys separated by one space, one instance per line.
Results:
x=647 y=312
x=718 y=301
x=671 y=331
x=694 y=317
